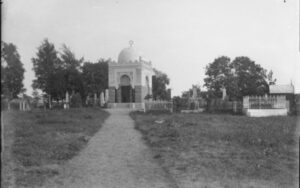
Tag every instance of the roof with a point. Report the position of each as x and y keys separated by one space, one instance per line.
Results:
x=281 y=89
x=128 y=55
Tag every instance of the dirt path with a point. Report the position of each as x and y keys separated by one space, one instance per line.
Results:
x=115 y=157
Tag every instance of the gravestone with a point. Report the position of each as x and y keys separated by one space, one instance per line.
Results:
x=102 y=101
x=223 y=93
x=67 y=104
x=95 y=99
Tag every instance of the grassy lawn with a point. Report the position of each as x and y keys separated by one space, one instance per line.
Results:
x=38 y=142
x=209 y=150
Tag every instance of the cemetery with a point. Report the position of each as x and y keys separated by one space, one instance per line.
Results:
x=216 y=136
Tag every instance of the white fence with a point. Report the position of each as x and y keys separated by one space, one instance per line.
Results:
x=158 y=106
x=265 y=102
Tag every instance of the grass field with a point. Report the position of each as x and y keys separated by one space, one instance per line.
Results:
x=209 y=150
x=36 y=143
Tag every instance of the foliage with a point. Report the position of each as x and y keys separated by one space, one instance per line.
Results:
x=189 y=93
x=148 y=96
x=12 y=71
x=180 y=103
x=95 y=77
x=47 y=66
x=75 y=100
x=71 y=72
x=159 y=86
x=240 y=77
x=57 y=74
x=251 y=77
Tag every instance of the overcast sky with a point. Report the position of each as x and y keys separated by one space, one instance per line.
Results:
x=179 y=37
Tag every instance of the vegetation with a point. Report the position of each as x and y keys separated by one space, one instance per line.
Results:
x=223 y=150
x=95 y=77
x=59 y=72
x=159 y=86
x=46 y=67
x=12 y=71
x=240 y=77
x=43 y=140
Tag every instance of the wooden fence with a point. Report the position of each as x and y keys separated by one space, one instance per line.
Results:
x=158 y=106
x=219 y=105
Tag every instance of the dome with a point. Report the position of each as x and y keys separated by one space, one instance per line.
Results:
x=128 y=55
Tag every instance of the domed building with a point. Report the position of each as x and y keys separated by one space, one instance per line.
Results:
x=130 y=79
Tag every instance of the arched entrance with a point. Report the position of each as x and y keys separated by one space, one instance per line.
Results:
x=125 y=89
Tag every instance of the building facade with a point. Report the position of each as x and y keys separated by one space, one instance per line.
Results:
x=129 y=79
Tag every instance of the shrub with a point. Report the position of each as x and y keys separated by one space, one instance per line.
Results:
x=76 y=101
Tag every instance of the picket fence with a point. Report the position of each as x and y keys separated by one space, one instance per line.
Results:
x=265 y=102
x=219 y=105
x=158 y=106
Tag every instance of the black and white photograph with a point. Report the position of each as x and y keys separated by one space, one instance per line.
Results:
x=150 y=94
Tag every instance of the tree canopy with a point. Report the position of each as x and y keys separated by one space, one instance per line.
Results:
x=46 y=65
x=95 y=76
x=71 y=71
x=12 y=71
x=159 y=86
x=240 y=77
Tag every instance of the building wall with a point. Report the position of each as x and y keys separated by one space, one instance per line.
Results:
x=140 y=93
x=137 y=74
x=112 y=95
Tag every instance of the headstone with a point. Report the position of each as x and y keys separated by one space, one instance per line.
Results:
x=20 y=105
x=194 y=96
x=95 y=98
x=87 y=100
x=50 y=102
x=67 y=106
x=106 y=96
x=223 y=93
x=102 y=101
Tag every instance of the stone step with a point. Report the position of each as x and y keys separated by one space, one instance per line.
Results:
x=136 y=106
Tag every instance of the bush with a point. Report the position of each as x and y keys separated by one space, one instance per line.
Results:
x=76 y=101
x=180 y=104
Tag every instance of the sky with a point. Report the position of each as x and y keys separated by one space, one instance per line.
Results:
x=179 y=37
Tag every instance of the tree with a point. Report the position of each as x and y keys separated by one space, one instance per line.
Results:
x=45 y=66
x=71 y=72
x=159 y=86
x=218 y=74
x=240 y=77
x=251 y=77
x=12 y=71
x=95 y=76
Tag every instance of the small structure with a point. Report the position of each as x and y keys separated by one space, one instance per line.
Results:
x=102 y=101
x=106 y=96
x=130 y=79
x=288 y=91
x=260 y=106
x=279 y=102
